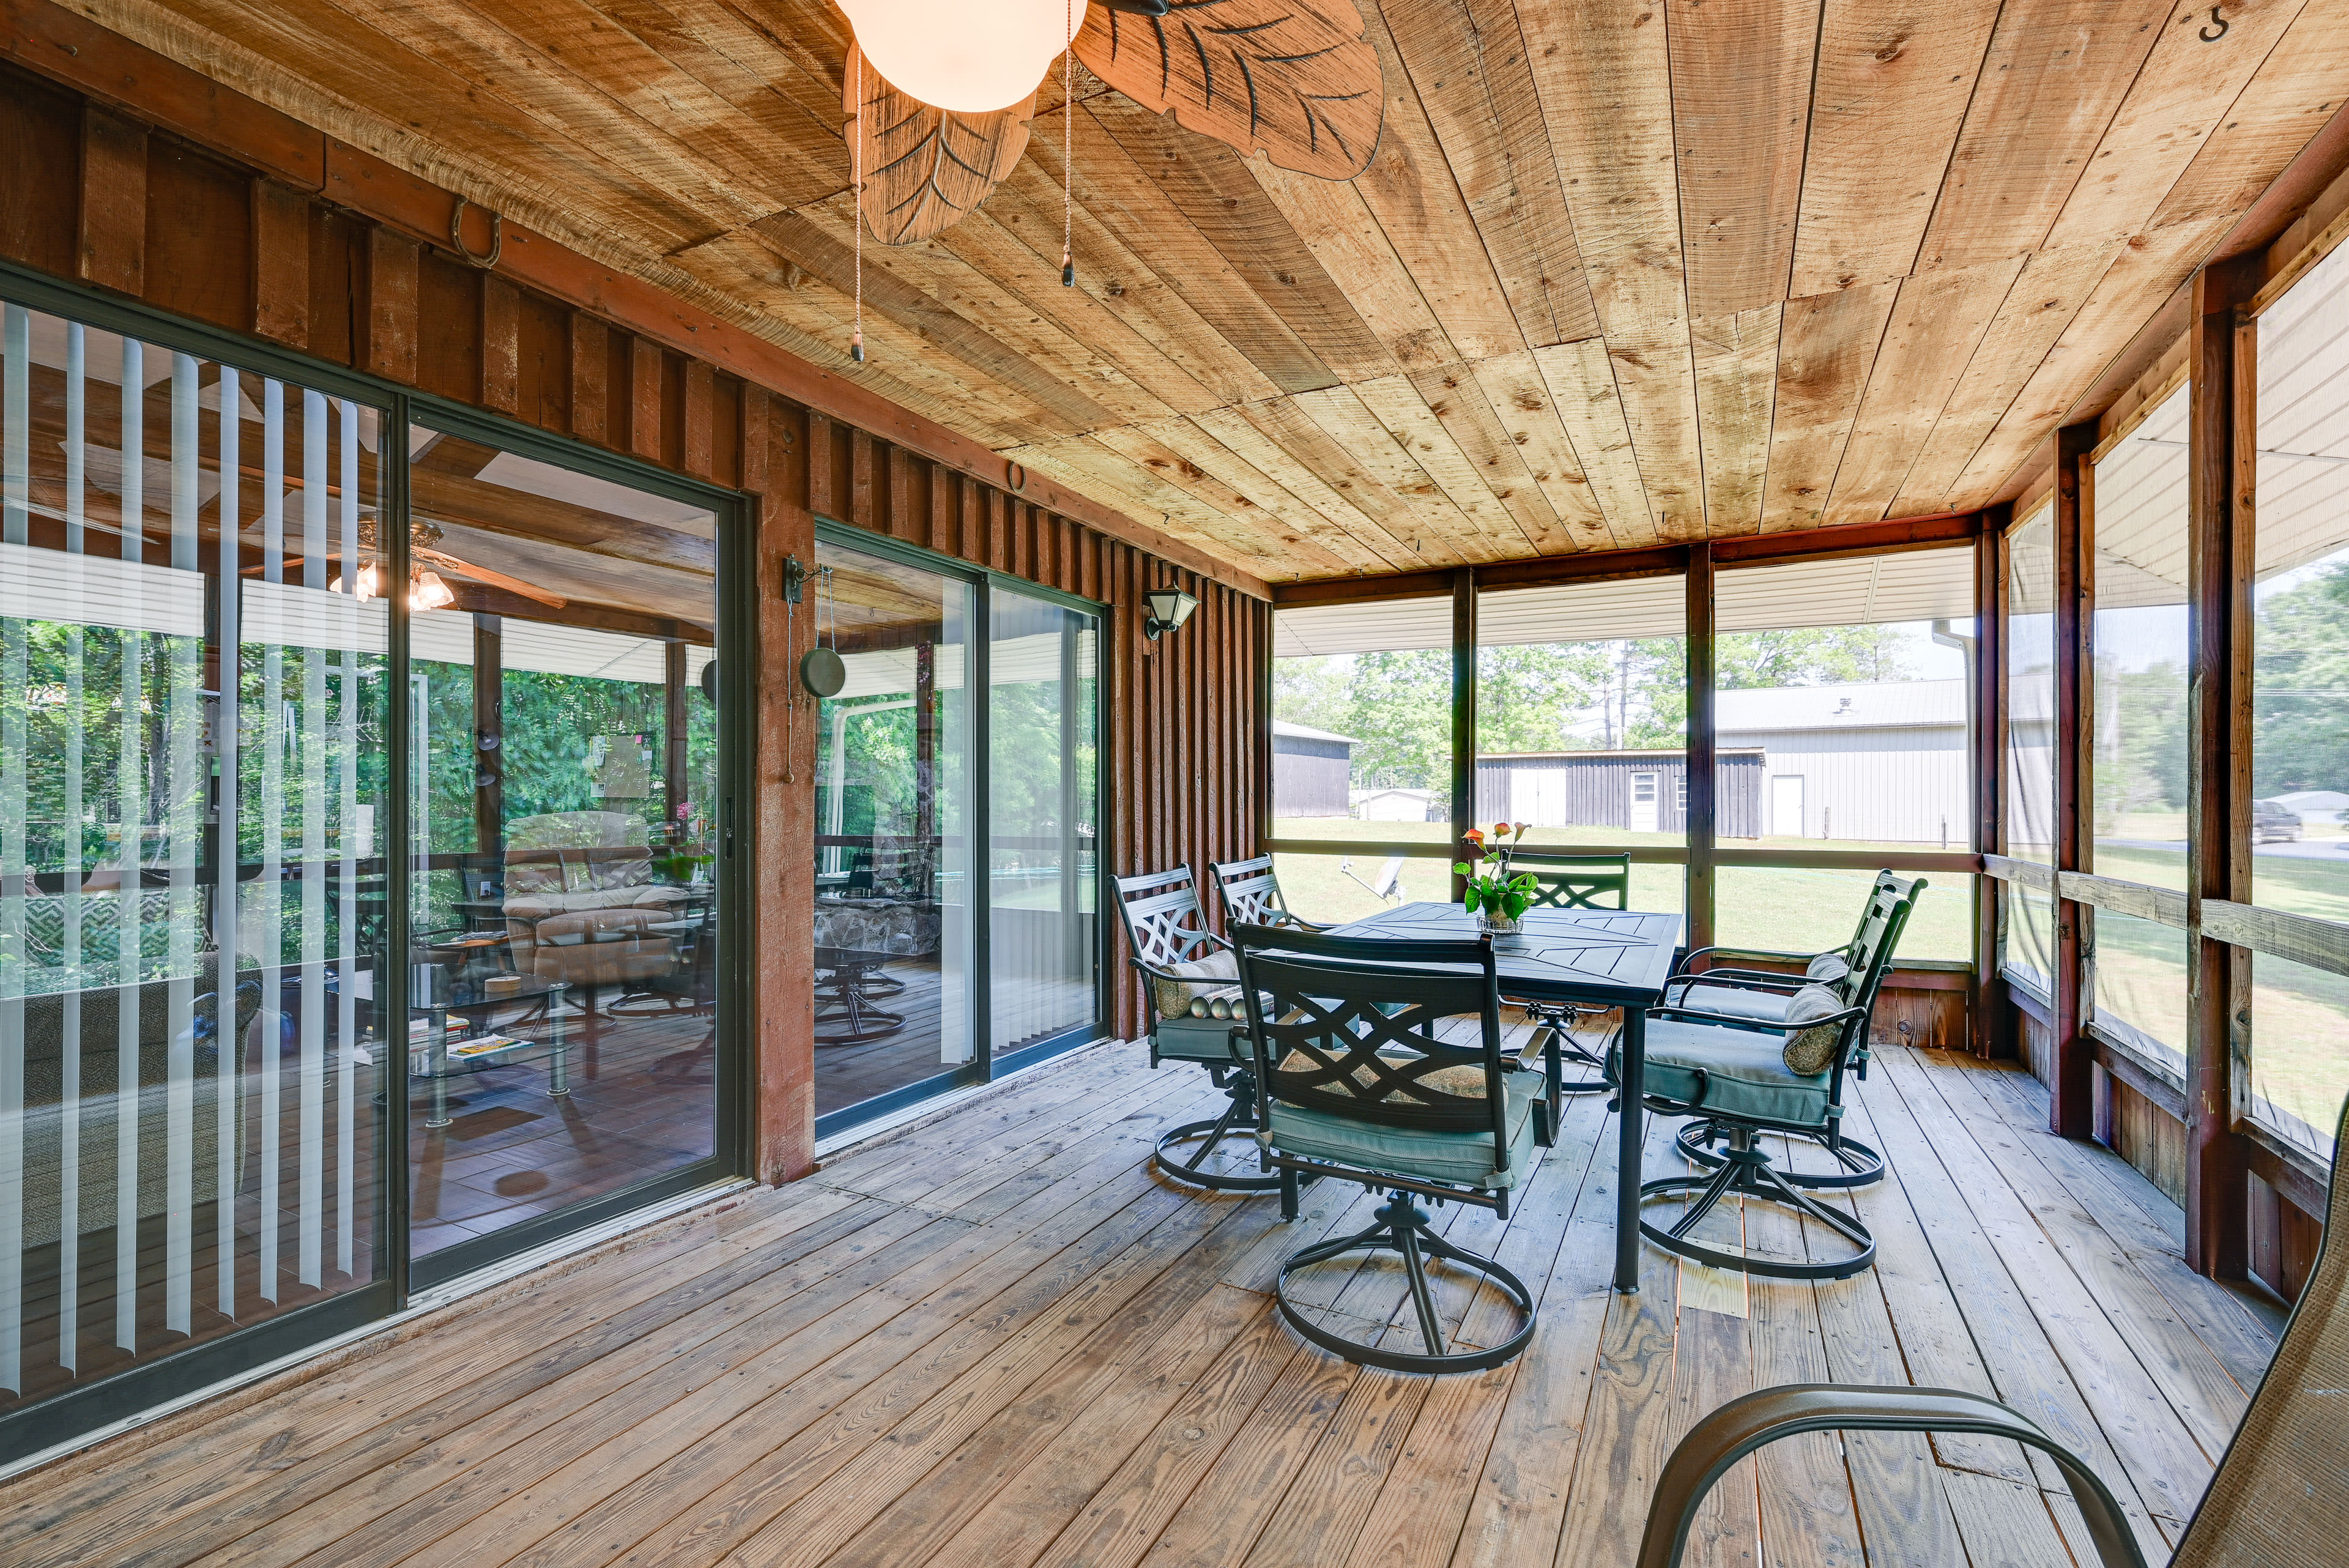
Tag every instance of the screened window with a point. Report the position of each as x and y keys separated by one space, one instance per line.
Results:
x=1361 y=754
x=2300 y=696
x=2029 y=919
x=1582 y=720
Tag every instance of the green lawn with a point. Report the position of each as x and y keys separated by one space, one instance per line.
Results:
x=1806 y=910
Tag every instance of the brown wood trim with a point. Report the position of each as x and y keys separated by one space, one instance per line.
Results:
x=1463 y=712
x=2166 y=905
x=2026 y=998
x=2218 y=782
x=1597 y=566
x=1993 y=1038
x=2071 y=1095
x=1361 y=590
x=1851 y=539
x=2158 y=1089
x=2302 y=938
x=2300 y=1176
x=1956 y=860
x=1702 y=769
x=2028 y=873
x=1420 y=850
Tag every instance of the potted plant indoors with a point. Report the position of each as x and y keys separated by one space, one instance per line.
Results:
x=1498 y=899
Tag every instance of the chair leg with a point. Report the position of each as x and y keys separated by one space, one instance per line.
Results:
x=1239 y=1119
x=1401 y=1227
x=1745 y=1171
x=1862 y=1165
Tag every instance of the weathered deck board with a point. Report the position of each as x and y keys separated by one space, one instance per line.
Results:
x=998 y=1338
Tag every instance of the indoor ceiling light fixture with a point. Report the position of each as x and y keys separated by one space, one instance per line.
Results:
x=969 y=57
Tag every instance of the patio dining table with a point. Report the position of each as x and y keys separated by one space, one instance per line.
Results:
x=1599 y=957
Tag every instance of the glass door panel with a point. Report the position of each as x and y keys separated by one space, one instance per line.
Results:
x=191 y=905
x=563 y=963
x=1044 y=938
x=893 y=932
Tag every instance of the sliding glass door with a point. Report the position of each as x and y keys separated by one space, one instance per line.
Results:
x=564 y=1024
x=922 y=979
x=191 y=888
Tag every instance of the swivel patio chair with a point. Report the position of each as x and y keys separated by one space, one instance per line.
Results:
x=1754 y=1076
x=1248 y=893
x=2280 y=1498
x=1764 y=994
x=1571 y=882
x=1360 y=1084
x=1190 y=977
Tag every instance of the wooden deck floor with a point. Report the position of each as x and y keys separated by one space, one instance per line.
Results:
x=996 y=1339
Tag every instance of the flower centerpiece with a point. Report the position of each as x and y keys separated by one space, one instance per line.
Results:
x=1498 y=899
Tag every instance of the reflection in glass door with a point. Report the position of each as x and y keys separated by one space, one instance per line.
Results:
x=563 y=956
x=1044 y=939
x=893 y=929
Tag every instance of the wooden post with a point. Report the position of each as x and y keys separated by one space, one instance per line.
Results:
x=1464 y=714
x=113 y=218
x=1993 y=1036
x=281 y=264
x=782 y=1035
x=2218 y=787
x=677 y=730
x=488 y=722
x=2072 y=1088
x=1698 y=759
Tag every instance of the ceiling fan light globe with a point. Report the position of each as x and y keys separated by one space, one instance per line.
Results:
x=971 y=57
x=430 y=593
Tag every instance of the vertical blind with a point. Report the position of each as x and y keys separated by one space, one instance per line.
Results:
x=189 y=896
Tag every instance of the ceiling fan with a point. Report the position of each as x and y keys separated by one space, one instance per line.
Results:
x=426 y=590
x=940 y=93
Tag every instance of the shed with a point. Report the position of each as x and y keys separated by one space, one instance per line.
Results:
x=1311 y=770
x=1635 y=791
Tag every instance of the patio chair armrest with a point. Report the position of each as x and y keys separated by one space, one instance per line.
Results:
x=1743 y=952
x=1736 y=979
x=1756 y=1419
x=1765 y=1025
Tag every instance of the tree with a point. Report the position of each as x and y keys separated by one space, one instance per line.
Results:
x=1528 y=696
x=2300 y=672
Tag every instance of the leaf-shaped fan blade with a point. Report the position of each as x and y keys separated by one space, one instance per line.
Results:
x=1292 y=77
x=926 y=168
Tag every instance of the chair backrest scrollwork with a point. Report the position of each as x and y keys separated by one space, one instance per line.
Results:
x=1367 y=1028
x=1249 y=893
x=1577 y=881
x=1164 y=925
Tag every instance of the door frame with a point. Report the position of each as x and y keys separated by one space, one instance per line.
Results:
x=985 y=1065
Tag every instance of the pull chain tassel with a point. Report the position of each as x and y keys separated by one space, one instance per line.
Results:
x=856 y=348
x=1068 y=270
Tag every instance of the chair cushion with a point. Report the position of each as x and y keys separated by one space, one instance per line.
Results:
x=1828 y=969
x=1810 y=1051
x=1744 y=1072
x=1462 y=1158
x=1198 y=1040
x=1736 y=1001
x=1213 y=971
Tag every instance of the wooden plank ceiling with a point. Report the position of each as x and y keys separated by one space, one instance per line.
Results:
x=1619 y=272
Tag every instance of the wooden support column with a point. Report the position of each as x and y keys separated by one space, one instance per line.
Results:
x=281 y=264
x=1698 y=759
x=1993 y=1032
x=2218 y=786
x=501 y=345
x=1464 y=715
x=781 y=1032
x=112 y=253
x=644 y=398
x=677 y=730
x=591 y=384
x=2071 y=1111
x=488 y=760
x=391 y=293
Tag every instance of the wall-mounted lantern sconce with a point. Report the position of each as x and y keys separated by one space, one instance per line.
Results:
x=1169 y=609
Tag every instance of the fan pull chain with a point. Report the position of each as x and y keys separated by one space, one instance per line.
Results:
x=1068 y=119
x=856 y=165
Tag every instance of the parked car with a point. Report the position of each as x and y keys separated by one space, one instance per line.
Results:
x=2273 y=822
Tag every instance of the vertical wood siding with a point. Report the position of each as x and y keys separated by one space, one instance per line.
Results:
x=107 y=201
